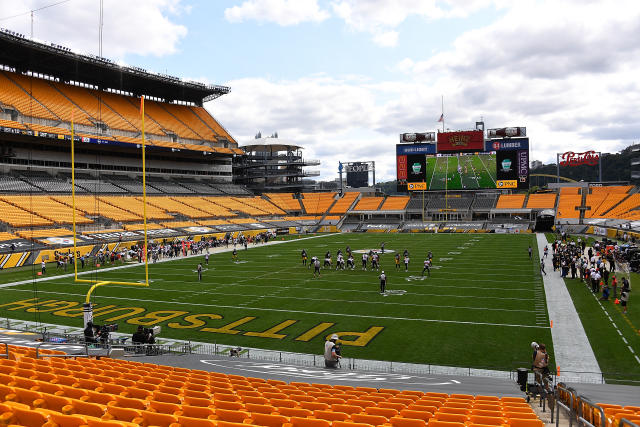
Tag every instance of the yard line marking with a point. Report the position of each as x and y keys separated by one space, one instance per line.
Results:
x=637 y=359
x=302 y=312
x=630 y=349
x=289 y=287
x=625 y=340
x=351 y=282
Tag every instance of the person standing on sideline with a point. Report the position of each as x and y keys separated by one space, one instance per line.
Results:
x=43 y=267
x=624 y=298
x=542 y=266
x=530 y=252
x=546 y=250
x=383 y=282
x=331 y=358
x=614 y=286
x=200 y=272
x=206 y=259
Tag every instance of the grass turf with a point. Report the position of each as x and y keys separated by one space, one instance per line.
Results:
x=476 y=309
x=476 y=171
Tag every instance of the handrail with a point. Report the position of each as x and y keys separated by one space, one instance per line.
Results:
x=585 y=401
x=624 y=421
x=6 y=350
x=62 y=356
x=561 y=390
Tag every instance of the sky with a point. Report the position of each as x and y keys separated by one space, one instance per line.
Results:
x=343 y=78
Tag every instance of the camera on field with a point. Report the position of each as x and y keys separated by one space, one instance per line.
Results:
x=152 y=331
x=108 y=328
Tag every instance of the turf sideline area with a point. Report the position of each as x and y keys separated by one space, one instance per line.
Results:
x=572 y=351
x=217 y=250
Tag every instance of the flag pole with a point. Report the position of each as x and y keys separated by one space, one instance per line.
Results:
x=442 y=110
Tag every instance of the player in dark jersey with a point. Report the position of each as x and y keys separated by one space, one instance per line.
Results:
x=374 y=261
x=304 y=257
x=397 y=261
x=234 y=255
x=327 y=260
x=350 y=262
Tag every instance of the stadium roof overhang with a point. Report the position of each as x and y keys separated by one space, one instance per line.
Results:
x=24 y=55
x=270 y=145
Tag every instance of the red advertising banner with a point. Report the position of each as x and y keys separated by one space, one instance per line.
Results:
x=570 y=158
x=469 y=140
x=402 y=167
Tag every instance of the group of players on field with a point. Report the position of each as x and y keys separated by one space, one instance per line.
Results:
x=371 y=258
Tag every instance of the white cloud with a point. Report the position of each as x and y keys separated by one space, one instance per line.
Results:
x=141 y=27
x=281 y=12
x=558 y=70
x=381 y=17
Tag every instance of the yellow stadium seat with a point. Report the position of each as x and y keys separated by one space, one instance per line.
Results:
x=121 y=414
x=330 y=415
x=295 y=412
x=307 y=422
x=149 y=418
x=385 y=412
x=407 y=422
x=231 y=416
x=256 y=408
x=27 y=417
x=81 y=407
x=349 y=423
x=421 y=415
x=269 y=420
x=521 y=422
x=493 y=421
x=374 y=420
x=454 y=418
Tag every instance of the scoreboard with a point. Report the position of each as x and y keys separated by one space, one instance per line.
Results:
x=463 y=160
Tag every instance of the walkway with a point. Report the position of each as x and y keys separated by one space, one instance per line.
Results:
x=572 y=351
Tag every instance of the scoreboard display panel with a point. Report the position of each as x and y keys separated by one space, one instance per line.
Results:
x=464 y=161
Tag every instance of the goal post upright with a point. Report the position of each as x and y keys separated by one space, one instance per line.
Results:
x=87 y=307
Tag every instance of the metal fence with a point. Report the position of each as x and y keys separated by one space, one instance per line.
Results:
x=119 y=343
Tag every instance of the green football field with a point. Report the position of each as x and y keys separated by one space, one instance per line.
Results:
x=461 y=172
x=482 y=306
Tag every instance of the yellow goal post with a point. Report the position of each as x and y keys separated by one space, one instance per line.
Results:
x=97 y=283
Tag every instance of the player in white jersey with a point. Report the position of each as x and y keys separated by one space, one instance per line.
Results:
x=427 y=267
x=365 y=257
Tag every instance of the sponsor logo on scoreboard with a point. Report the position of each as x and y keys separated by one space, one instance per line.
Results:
x=412 y=186
x=507 y=183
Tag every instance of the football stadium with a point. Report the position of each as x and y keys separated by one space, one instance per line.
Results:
x=155 y=271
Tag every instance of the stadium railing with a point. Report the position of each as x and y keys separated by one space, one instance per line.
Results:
x=585 y=412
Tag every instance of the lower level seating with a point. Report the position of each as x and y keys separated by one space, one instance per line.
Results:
x=112 y=392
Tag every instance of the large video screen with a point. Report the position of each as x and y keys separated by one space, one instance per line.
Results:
x=497 y=163
x=461 y=171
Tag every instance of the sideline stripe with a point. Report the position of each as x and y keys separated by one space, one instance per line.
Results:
x=65 y=276
x=299 y=311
